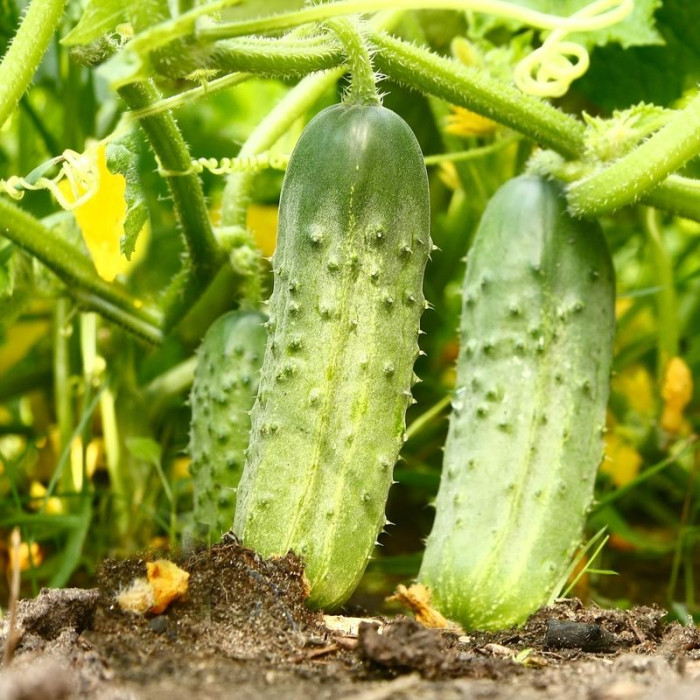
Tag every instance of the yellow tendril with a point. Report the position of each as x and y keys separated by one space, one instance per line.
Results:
x=78 y=171
x=549 y=70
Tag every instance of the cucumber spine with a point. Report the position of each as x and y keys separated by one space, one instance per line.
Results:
x=328 y=423
x=525 y=433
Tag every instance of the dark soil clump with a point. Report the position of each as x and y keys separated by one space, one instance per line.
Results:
x=243 y=631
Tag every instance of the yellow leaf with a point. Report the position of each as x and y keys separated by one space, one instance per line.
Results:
x=676 y=392
x=101 y=218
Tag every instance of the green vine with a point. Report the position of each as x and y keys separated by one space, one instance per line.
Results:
x=78 y=274
x=26 y=51
x=205 y=256
x=500 y=8
x=260 y=55
x=633 y=175
x=468 y=87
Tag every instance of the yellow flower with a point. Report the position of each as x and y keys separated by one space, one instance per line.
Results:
x=37 y=493
x=636 y=385
x=101 y=217
x=462 y=122
x=676 y=392
x=622 y=461
x=261 y=221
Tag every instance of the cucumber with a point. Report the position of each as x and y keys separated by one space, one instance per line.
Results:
x=225 y=385
x=525 y=434
x=328 y=423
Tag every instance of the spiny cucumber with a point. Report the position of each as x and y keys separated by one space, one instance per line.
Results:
x=328 y=423
x=225 y=385
x=525 y=434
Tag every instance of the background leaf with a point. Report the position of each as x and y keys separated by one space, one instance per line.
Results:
x=122 y=158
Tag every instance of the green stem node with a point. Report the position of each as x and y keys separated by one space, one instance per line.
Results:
x=633 y=175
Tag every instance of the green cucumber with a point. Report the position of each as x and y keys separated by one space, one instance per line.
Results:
x=328 y=423
x=225 y=385
x=525 y=434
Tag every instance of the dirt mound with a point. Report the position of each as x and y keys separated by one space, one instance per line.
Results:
x=242 y=630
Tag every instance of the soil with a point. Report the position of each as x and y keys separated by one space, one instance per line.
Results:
x=243 y=632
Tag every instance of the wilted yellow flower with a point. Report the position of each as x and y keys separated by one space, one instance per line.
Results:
x=463 y=122
x=676 y=392
x=101 y=218
x=29 y=555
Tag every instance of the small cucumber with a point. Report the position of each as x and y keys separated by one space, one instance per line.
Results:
x=328 y=423
x=525 y=435
x=225 y=385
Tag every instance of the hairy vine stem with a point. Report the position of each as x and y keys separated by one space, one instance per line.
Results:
x=468 y=87
x=633 y=175
x=188 y=198
x=261 y=55
x=26 y=51
x=363 y=83
x=500 y=8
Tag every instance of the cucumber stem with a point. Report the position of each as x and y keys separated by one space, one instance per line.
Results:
x=363 y=83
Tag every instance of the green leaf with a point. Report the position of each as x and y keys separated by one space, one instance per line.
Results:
x=6 y=276
x=659 y=74
x=99 y=17
x=145 y=449
x=637 y=29
x=122 y=158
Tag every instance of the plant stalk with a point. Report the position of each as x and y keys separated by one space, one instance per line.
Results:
x=77 y=273
x=26 y=51
x=205 y=257
x=468 y=87
x=633 y=175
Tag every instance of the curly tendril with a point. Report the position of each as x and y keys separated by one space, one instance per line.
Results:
x=227 y=166
x=549 y=70
x=79 y=170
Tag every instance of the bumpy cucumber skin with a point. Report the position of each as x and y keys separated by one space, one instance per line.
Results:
x=525 y=434
x=328 y=423
x=224 y=389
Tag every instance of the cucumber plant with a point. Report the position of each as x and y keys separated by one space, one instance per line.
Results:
x=225 y=385
x=328 y=422
x=525 y=434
